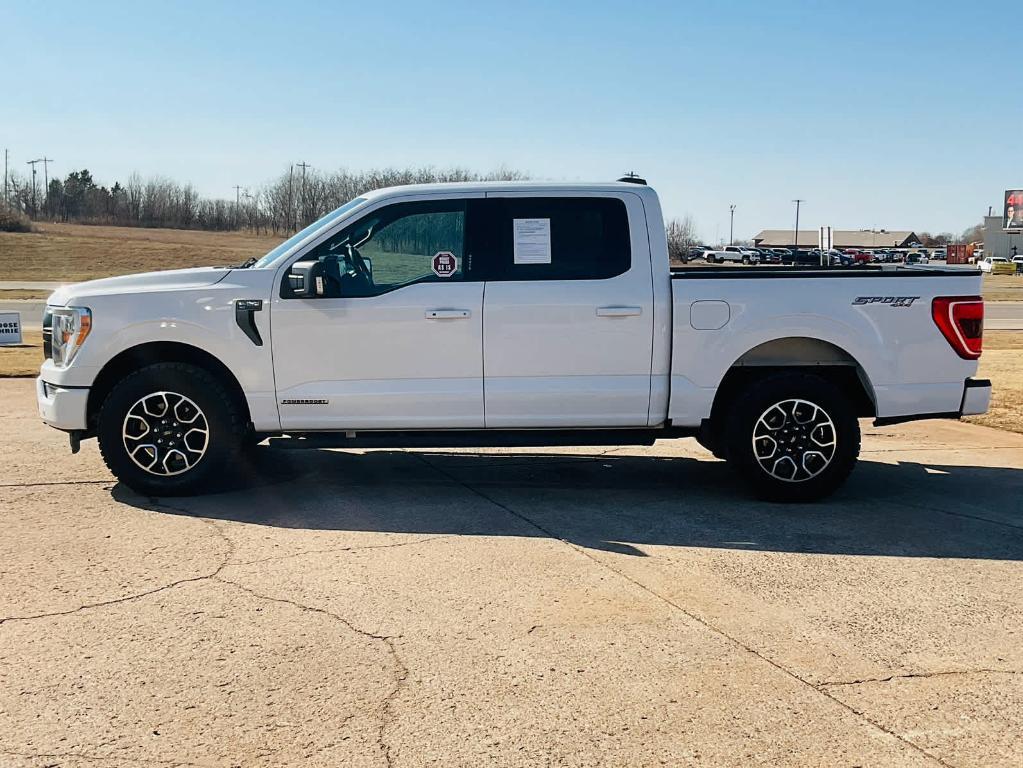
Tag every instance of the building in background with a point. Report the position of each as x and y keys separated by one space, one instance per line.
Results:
x=843 y=238
x=998 y=242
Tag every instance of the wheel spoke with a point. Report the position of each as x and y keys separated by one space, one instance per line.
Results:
x=175 y=430
x=794 y=440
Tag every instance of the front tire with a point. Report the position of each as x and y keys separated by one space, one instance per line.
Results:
x=170 y=429
x=793 y=437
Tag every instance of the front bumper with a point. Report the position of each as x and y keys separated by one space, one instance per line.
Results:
x=62 y=407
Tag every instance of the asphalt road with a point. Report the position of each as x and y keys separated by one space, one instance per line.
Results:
x=512 y=608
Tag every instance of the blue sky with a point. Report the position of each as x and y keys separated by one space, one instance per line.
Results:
x=878 y=114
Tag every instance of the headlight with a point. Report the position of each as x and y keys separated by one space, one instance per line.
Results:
x=71 y=325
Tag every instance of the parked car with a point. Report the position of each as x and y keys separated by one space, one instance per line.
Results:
x=769 y=256
x=746 y=255
x=988 y=263
x=917 y=257
x=591 y=339
x=939 y=254
x=804 y=257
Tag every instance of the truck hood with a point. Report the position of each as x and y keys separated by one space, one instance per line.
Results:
x=170 y=280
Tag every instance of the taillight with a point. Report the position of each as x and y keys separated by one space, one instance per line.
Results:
x=961 y=321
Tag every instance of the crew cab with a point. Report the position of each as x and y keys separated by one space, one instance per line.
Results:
x=516 y=314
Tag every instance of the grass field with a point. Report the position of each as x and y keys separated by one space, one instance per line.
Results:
x=1002 y=362
x=1002 y=288
x=75 y=252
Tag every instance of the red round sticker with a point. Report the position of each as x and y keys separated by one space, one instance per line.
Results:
x=445 y=264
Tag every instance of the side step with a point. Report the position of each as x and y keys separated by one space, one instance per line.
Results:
x=477 y=438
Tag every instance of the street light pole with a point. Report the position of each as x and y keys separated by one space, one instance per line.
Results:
x=731 y=224
x=795 y=233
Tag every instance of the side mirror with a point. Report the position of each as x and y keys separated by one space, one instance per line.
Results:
x=305 y=279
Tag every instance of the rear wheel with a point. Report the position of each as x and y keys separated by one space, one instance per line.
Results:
x=170 y=429
x=793 y=437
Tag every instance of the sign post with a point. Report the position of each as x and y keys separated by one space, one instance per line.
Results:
x=825 y=241
x=10 y=328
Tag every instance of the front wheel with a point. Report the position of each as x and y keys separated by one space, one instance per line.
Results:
x=170 y=429
x=793 y=437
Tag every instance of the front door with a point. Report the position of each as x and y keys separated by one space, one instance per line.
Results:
x=395 y=341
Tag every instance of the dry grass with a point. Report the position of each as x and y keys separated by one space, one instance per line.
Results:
x=73 y=252
x=25 y=359
x=1002 y=362
x=7 y=294
x=1002 y=288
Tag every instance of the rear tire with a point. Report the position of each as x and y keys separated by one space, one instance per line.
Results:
x=793 y=437
x=170 y=429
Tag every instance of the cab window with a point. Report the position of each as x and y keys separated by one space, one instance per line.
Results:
x=396 y=246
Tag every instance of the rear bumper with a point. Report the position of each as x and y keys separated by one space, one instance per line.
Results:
x=975 y=401
x=62 y=407
x=976 y=397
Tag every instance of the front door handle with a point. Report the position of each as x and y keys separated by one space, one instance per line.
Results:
x=447 y=314
x=619 y=311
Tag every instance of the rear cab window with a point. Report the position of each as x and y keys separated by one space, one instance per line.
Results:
x=549 y=238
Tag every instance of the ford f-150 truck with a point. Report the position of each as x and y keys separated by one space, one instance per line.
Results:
x=505 y=314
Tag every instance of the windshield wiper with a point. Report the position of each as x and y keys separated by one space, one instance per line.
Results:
x=246 y=264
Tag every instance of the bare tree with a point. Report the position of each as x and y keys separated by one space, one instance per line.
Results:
x=681 y=234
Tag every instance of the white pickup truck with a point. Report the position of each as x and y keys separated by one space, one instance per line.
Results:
x=505 y=314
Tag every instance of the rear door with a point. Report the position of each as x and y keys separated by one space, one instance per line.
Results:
x=568 y=311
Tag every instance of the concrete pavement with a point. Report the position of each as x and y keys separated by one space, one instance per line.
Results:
x=1003 y=315
x=614 y=607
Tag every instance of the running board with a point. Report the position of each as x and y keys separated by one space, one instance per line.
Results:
x=481 y=438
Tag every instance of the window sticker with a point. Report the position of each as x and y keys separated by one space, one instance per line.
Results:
x=445 y=264
x=532 y=241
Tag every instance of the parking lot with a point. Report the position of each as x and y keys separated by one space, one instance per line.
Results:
x=571 y=607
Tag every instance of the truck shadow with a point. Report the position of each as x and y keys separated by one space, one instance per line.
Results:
x=620 y=503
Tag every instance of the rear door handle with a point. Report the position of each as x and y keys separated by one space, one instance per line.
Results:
x=619 y=311
x=447 y=314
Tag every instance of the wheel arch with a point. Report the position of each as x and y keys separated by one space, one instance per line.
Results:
x=141 y=355
x=802 y=353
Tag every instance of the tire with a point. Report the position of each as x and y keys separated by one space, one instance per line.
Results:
x=813 y=428
x=198 y=443
x=745 y=259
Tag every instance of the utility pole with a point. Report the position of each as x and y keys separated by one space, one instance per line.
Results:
x=46 y=182
x=795 y=234
x=303 y=165
x=731 y=224
x=237 y=203
x=7 y=200
x=291 y=196
x=33 y=164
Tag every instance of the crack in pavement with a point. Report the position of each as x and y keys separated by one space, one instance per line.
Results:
x=101 y=758
x=401 y=670
x=915 y=675
x=332 y=550
x=694 y=617
x=225 y=560
x=57 y=482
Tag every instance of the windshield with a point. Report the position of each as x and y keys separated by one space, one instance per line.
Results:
x=298 y=237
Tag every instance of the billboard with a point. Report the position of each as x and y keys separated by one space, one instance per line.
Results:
x=1012 y=217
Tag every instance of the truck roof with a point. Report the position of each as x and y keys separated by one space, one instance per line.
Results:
x=508 y=186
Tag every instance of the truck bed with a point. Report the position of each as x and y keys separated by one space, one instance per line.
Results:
x=876 y=320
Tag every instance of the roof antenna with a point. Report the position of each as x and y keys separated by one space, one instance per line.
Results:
x=632 y=178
